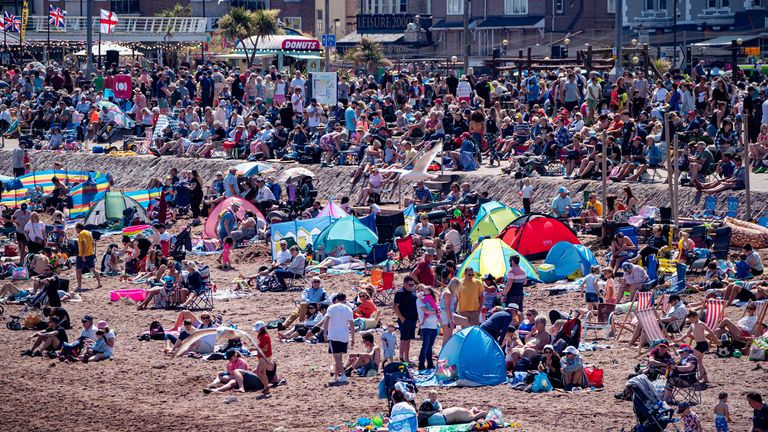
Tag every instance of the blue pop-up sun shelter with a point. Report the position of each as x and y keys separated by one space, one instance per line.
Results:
x=568 y=257
x=478 y=359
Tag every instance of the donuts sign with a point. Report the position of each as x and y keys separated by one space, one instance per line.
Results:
x=301 y=45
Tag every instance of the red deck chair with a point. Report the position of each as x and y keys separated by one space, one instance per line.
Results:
x=384 y=282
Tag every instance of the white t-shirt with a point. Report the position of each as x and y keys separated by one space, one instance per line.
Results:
x=339 y=316
x=89 y=334
x=430 y=322
x=748 y=323
x=527 y=191
x=107 y=336
x=283 y=257
x=403 y=408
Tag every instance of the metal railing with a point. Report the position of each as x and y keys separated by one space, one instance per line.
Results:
x=126 y=25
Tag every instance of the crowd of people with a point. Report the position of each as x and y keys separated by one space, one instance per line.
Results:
x=564 y=117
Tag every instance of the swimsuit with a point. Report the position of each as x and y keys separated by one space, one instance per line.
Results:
x=721 y=424
x=701 y=347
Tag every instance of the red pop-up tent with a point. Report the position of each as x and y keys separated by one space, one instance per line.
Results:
x=535 y=234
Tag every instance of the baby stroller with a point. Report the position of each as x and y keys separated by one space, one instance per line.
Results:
x=395 y=373
x=18 y=322
x=182 y=244
x=652 y=414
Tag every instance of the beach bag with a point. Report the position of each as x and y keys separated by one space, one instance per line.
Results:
x=403 y=423
x=519 y=377
x=132 y=266
x=594 y=376
x=759 y=349
x=10 y=250
x=20 y=273
x=31 y=321
x=541 y=383
x=445 y=372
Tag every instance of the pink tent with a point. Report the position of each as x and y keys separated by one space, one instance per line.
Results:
x=333 y=211
x=212 y=223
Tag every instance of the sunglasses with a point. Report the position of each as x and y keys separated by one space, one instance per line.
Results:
x=205 y=317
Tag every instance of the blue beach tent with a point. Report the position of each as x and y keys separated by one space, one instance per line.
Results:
x=478 y=358
x=568 y=257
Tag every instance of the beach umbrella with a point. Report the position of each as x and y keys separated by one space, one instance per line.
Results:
x=492 y=257
x=346 y=236
x=294 y=173
x=120 y=118
x=249 y=169
x=493 y=223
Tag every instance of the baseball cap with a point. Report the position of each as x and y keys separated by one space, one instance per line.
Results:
x=571 y=350
x=258 y=325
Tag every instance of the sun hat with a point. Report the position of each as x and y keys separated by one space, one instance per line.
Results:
x=571 y=350
x=258 y=326
x=101 y=325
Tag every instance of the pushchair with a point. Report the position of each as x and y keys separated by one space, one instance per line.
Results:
x=652 y=414
x=394 y=373
x=36 y=303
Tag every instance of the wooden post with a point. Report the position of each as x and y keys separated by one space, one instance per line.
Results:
x=646 y=61
x=746 y=164
x=588 y=63
x=676 y=208
x=670 y=168
x=604 y=168
x=530 y=61
x=519 y=69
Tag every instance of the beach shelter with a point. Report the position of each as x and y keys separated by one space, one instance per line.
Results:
x=109 y=209
x=533 y=235
x=44 y=178
x=120 y=118
x=493 y=222
x=568 y=258
x=211 y=229
x=144 y=196
x=346 y=236
x=492 y=256
x=476 y=357
x=248 y=169
x=85 y=194
x=14 y=198
x=332 y=210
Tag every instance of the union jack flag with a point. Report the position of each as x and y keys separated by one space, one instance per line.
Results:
x=56 y=16
x=11 y=23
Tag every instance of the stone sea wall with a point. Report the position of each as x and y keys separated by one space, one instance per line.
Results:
x=135 y=172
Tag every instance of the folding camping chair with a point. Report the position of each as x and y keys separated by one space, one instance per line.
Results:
x=715 y=312
x=300 y=281
x=722 y=243
x=599 y=319
x=761 y=307
x=204 y=301
x=385 y=286
x=378 y=254
x=407 y=252
x=733 y=206
x=677 y=281
x=686 y=389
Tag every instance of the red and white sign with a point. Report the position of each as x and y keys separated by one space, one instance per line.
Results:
x=301 y=45
x=123 y=87
x=107 y=21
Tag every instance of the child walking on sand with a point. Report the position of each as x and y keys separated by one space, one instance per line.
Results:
x=589 y=287
x=526 y=192
x=389 y=342
x=722 y=413
x=223 y=259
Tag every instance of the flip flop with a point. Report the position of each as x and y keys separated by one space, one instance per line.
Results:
x=264 y=396
x=207 y=391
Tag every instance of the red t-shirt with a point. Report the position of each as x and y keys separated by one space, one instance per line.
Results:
x=366 y=309
x=424 y=273
x=265 y=344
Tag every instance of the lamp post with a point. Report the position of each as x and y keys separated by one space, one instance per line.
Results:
x=735 y=44
x=505 y=43
x=618 y=70
x=567 y=42
x=202 y=45
x=454 y=59
x=465 y=36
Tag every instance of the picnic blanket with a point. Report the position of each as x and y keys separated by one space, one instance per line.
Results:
x=564 y=288
x=428 y=378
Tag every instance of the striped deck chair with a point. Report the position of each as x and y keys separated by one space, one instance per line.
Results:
x=760 y=309
x=648 y=320
x=642 y=300
x=715 y=312
x=664 y=303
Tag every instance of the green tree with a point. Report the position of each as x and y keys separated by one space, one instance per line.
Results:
x=177 y=11
x=240 y=23
x=368 y=54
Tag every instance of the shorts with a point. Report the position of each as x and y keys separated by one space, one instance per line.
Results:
x=88 y=262
x=745 y=295
x=407 y=329
x=591 y=298
x=701 y=347
x=436 y=419
x=21 y=238
x=252 y=383
x=518 y=300
x=721 y=423
x=444 y=321
x=336 y=347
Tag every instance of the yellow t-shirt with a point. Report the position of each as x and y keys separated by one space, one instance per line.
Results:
x=469 y=295
x=85 y=244
x=597 y=206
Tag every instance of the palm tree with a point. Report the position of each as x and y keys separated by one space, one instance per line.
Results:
x=369 y=54
x=240 y=23
x=177 y=11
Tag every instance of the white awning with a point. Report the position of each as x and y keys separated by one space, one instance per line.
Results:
x=305 y=56
x=721 y=41
x=280 y=43
x=355 y=37
x=109 y=46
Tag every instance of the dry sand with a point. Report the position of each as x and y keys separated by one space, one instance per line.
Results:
x=142 y=389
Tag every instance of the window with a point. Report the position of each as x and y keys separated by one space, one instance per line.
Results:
x=559 y=6
x=662 y=5
x=249 y=4
x=378 y=7
x=292 y=22
x=611 y=6
x=454 y=7
x=515 y=7
x=320 y=14
x=649 y=5
x=124 y=6
x=403 y=6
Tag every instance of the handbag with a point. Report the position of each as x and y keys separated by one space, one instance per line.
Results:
x=541 y=383
x=594 y=376
x=20 y=273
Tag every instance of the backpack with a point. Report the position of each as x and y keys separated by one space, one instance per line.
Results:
x=156 y=331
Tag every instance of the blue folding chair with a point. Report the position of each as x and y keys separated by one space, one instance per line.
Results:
x=653 y=273
x=378 y=254
x=763 y=221
x=733 y=206
x=679 y=285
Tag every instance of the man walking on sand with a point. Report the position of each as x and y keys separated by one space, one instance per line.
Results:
x=338 y=325
x=86 y=255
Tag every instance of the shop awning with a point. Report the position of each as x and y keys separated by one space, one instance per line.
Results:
x=305 y=56
x=452 y=25
x=280 y=43
x=355 y=38
x=724 y=40
x=506 y=22
x=241 y=56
